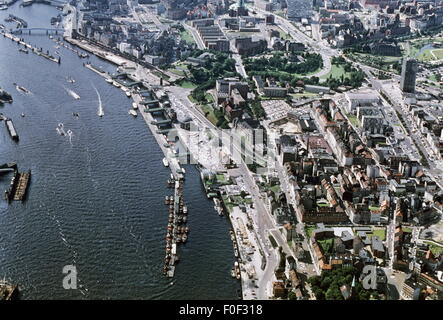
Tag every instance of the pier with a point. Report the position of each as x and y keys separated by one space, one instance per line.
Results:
x=18 y=187
x=35 y=50
x=177 y=231
x=20 y=22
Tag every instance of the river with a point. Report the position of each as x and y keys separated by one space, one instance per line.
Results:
x=96 y=198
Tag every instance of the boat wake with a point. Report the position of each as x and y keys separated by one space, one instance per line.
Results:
x=70 y=134
x=72 y=93
x=60 y=129
x=70 y=247
x=100 y=111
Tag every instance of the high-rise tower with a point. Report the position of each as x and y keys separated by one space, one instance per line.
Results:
x=408 y=75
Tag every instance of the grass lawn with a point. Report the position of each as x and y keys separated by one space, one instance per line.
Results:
x=326 y=244
x=161 y=75
x=353 y=119
x=187 y=84
x=336 y=72
x=435 y=249
x=309 y=230
x=321 y=204
x=177 y=71
x=380 y=233
x=209 y=112
x=186 y=36
x=379 y=62
x=275 y=188
x=426 y=55
x=438 y=53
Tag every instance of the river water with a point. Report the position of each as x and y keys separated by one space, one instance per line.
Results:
x=96 y=198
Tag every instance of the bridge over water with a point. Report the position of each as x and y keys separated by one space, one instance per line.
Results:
x=38 y=31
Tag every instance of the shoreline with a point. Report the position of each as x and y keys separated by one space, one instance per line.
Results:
x=161 y=141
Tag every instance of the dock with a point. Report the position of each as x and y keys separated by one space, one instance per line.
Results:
x=8 y=291
x=18 y=186
x=177 y=231
x=35 y=50
x=22 y=185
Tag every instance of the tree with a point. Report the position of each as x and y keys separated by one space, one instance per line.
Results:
x=292 y=295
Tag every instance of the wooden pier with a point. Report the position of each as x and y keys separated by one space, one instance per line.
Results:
x=22 y=185
x=18 y=187
x=177 y=231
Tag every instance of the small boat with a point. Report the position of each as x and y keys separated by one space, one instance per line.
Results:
x=75 y=114
x=23 y=50
x=185 y=209
x=128 y=94
x=108 y=80
x=233 y=272
x=70 y=80
x=23 y=115
x=165 y=162
x=133 y=113
x=21 y=89
x=134 y=106
x=183 y=170
x=116 y=84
